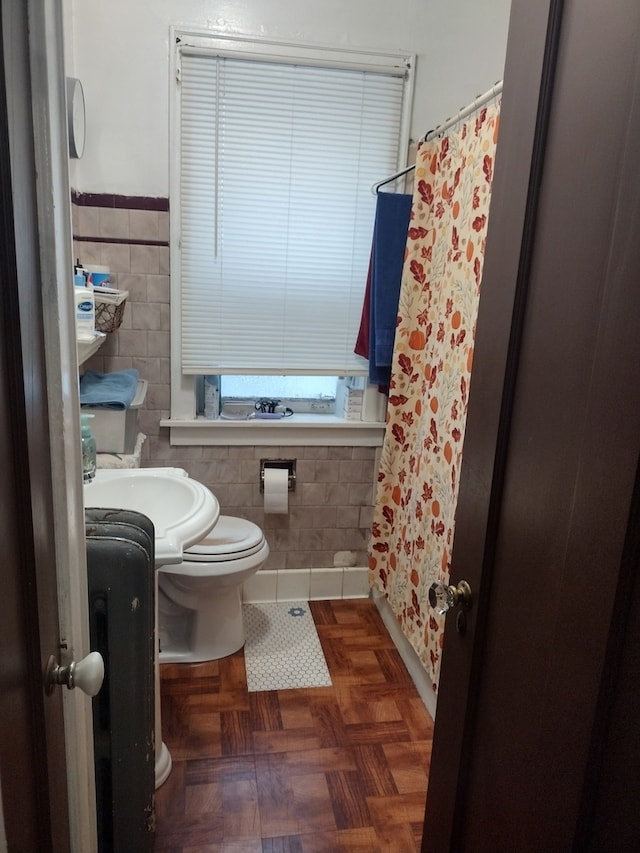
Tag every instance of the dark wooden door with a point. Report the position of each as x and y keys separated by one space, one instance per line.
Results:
x=535 y=699
x=32 y=738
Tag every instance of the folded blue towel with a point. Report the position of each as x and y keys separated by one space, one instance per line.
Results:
x=108 y=390
x=393 y=211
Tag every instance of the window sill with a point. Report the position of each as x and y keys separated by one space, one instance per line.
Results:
x=294 y=431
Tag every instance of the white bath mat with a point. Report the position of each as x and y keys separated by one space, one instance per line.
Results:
x=282 y=649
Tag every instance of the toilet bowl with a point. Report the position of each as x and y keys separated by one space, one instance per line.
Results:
x=200 y=599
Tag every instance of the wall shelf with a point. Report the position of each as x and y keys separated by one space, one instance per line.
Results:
x=88 y=348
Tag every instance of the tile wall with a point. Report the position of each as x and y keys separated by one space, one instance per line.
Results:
x=330 y=512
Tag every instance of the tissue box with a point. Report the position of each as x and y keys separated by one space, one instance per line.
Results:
x=116 y=430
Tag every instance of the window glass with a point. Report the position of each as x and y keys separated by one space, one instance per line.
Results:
x=278 y=387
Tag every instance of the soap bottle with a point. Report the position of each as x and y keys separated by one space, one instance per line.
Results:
x=85 y=308
x=88 y=449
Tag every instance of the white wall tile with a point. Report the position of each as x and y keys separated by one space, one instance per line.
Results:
x=293 y=585
x=325 y=584
x=355 y=582
x=261 y=587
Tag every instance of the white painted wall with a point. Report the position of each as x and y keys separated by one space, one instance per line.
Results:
x=120 y=51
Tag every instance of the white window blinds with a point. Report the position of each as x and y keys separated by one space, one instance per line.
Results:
x=276 y=211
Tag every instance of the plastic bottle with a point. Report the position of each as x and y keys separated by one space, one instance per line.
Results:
x=212 y=397
x=85 y=308
x=79 y=277
x=88 y=448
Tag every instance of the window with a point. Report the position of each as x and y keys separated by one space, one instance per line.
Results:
x=272 y=210
x=288 y=387
x=302 y=394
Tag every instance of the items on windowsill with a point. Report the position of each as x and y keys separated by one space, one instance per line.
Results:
x=212 y=397
x=271 y=410
x=349 y=400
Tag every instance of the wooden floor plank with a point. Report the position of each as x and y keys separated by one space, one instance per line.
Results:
x=240 y=845
x=400 y=809
x=236 y=733
x=282 y=844
x=376 y=777
x=295 y=711
x=328 y=722
x=408 y=764
x=287 y=740
x=392 y=666
x=203 y=799
x=196 y=829
x=396 y=838
x=348 y=799
x=265 y=711
x=324 y=760
x=339 y=769
x=323 y=613
x=172 y=800
x=240 y=811
x=313 y=803
x=419 y=724
x=201 y=772
x=275 y=797
x=356 y=709
x=389 y=731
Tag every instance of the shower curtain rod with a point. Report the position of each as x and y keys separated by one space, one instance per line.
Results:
x=477 y=102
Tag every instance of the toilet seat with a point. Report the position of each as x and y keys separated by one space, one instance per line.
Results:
x=230 y=539
x=231 y=547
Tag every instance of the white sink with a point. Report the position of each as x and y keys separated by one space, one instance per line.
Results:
x=182 y=510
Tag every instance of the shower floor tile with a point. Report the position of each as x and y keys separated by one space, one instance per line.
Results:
x=282 y=649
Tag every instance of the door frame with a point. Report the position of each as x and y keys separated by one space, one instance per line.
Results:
x=527 y=90
x=51 y=146
x=548 y=505
x=34 y=62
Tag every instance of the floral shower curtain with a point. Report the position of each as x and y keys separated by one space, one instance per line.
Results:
x=414 y=518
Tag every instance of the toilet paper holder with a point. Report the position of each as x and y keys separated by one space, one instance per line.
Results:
x=288 y=465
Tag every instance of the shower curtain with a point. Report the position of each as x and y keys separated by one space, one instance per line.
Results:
x=414 y=517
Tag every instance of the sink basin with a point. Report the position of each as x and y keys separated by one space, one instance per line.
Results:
x=182 y=510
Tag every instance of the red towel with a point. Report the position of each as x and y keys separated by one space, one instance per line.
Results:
x=364 y=334
x=362 y=341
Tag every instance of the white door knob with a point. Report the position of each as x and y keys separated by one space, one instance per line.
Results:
x=87 y=674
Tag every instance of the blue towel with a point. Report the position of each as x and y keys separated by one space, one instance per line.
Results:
x=108 y=390
x=393 y=211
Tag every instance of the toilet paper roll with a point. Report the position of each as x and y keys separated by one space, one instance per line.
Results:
x=276 y=490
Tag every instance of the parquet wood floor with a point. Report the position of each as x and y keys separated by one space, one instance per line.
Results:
x=340 y=769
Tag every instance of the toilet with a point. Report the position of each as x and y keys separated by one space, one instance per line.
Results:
x=200 y=599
